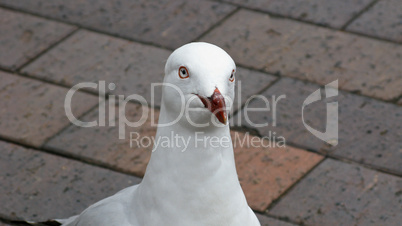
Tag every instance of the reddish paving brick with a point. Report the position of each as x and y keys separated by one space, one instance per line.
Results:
x=266 y=170
x=383 y=20
x=320 y=55
x=369 y=130
x=337 y=193
x=102 y=144
x=163 y=22
x=23 y=37
x=91 y=57
x=33 y=111
x=39 y=186
x=248 y=83
x=268 y=221
x=329 y=13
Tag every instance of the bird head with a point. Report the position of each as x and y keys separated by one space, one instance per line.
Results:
x=199 y=84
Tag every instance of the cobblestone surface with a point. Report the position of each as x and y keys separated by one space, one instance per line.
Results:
x=327 y=13
x=383 y=20
x=39 y=186
x=32 y=111
x=91 y=57
x=23 y=37
x=302 y=47
x=337 y=193
x=162 y=22
x=363 y=134
x=107 y=148
x=248 y=83
x=316 y=54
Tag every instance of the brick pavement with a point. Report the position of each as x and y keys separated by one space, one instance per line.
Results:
x=312 y=53
x=386 y=24
x=25 y=36
x=364 y=135
x=52 y=168
x=337 y=193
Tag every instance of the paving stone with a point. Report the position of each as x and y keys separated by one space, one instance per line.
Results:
x=328 y=13
x=102 y=143
x=337 y=193
x=286 y=120
x=248 y=83
x=32 y=111
x=167 y=23
x=369 y=130
x=266 y=170
x=268 y=221
x=383 y=20
x=23 y=37
x=91 y=57
x=253 y=164
x=320 y=55
x=36 y=185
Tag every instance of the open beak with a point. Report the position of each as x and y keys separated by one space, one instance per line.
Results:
x=216 y=104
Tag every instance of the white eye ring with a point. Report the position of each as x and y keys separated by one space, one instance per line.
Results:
x=232 y=76
x=183 y=72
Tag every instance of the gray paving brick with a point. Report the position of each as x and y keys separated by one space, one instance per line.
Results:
x=369 y=130
x=248 y=83
x=33 y=111
x=102 y=144
x=91 y=57
x=163 y=22
x=312 y=53
x=23 y=37
x=383 y=20
x=268 y=221
x=337 y=193
x=329 y=13
x=39 y=186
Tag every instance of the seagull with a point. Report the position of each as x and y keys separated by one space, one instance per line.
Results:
x=193 y=184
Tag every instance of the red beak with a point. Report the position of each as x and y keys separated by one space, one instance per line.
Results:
x=216 y=104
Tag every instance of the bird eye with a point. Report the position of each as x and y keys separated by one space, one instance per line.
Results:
x=183 y=73
x=232 y=76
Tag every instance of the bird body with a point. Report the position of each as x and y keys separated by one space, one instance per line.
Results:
x=197 y=185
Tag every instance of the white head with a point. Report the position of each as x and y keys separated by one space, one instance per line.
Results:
x=203 y=75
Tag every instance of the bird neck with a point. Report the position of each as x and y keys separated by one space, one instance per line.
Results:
x=193 y=176
x=182 y=151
